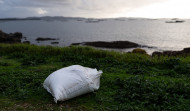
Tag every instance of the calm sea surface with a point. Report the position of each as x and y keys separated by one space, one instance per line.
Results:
x=156 y=33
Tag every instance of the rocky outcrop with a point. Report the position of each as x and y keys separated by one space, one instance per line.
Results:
x=10 y=38
x=114 y=44
x=184 y=52
x=54 y=42
x=44 y=39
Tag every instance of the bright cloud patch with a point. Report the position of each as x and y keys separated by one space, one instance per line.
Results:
x=41 y=11
x=169 y=9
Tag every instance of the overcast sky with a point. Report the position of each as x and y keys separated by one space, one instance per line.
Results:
x=96 y=8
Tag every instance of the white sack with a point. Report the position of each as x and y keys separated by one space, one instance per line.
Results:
x=72 y=81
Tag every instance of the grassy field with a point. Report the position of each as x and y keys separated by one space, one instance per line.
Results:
x=130 y=82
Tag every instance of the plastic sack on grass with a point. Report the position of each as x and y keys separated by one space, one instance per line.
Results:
x=72 y=81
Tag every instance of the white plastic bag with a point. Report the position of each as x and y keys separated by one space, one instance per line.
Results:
x=72 y=81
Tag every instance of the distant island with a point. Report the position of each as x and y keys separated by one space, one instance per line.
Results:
x=175 y=20
x=62 y=18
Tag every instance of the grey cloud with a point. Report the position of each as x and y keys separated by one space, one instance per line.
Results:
x=1 y=2
x=81 y=4
x=85 y=8
x=90 y=4
x=36 y=3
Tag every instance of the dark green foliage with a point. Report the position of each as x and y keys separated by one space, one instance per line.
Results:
x=17 y=55
x=137 y=69
x=4 y=64
x=183 y=69
x=33 y=60
x=172 y=63
x=147 y=93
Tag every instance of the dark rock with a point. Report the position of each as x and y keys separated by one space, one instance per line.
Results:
x=24 y=38
x=184 y=52
x=18 y=35
x=44 y=39
x=10 y=38
x=54 y=42
x=76 y=43
x=150 y=47
x=168 y=53
x=114 y=44
x=157 y=53
x=175 y=21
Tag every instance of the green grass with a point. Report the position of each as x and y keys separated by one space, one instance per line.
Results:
x=130 y=81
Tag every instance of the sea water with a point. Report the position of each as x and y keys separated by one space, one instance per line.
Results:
x=151 y=32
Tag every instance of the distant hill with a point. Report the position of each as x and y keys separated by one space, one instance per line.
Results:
x=48 y=18
x=62 y=18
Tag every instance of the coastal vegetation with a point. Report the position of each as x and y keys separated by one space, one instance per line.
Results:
x=130 y=81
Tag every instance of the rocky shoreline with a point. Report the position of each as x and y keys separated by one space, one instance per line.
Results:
x=184 y=52
x=113 y=44
x=10 y=38
x=17 y=38
x=44 y=39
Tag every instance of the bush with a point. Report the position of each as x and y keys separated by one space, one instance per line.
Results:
x=139 y=51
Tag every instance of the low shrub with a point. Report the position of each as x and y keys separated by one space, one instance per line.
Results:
x=139 y=51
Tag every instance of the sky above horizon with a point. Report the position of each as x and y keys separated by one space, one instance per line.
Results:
x=96 y=8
